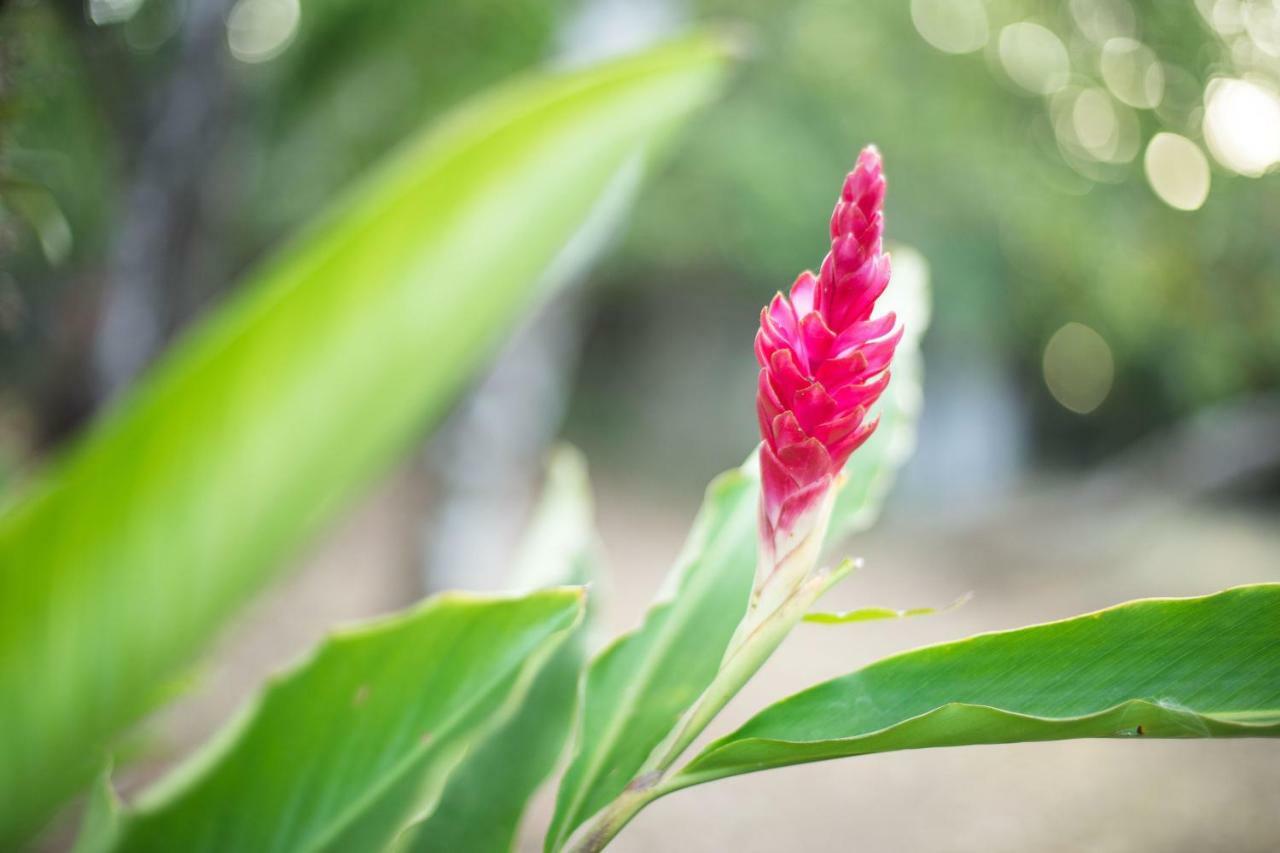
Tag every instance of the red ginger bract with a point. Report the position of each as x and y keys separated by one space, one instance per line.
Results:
x=823 y=360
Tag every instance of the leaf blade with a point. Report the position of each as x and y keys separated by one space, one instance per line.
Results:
x=341 y=752
x=1206 y=666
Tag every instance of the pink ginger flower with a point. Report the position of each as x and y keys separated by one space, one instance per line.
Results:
x=824 y=362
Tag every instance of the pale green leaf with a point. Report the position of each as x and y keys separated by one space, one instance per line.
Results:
x=872 y=614
x=1158 y=668
x=346 y=750
x=127 y=555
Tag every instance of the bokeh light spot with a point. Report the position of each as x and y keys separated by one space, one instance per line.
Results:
x=1078 y=368
x=1100 y=20
x=1034 y=58
x=1242 y=125
x=1095 y=121
x=952 y=26
x=1223 y=15
x=1177 y=170
x=103 y=12
x=1262 y=22
x=1132 y=73
x=258 y=30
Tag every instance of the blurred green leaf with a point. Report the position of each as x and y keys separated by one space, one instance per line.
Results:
x=259 y=426
x=358 y=76
x=486 y=796
x=1165 y=668
x=344 y=751
x=638 y=688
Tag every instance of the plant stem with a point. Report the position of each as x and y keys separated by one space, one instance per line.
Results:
x=742 y=662
x=609 y=822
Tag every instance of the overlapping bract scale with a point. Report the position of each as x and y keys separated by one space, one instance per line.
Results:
x=824 y=359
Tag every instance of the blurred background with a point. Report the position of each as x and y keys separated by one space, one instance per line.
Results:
x=1089 y=187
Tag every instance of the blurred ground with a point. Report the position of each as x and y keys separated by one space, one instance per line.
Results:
x=1063 y=559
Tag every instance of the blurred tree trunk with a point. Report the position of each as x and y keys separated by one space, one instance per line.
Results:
x=158 y=269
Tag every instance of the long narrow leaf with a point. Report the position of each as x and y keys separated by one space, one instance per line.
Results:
x=1159 y=668
x=182 y=502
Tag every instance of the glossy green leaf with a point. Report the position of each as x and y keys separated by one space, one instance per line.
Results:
x=183 y=500
x=486 y=796
x=346 y=750
x=1163 y=668
x=638 y=688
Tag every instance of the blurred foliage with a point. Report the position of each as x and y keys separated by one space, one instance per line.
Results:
x=56 y=191
x=122 y=559
x=79 y=100
x=359 y=75
x=1020 y=240
x=1024 y=232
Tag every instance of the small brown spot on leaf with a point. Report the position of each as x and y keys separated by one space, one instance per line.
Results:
x=361 y=696
x=1141 y=730
x=425 y=738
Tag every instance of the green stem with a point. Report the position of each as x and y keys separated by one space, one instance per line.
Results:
x=742 y=662
x=609 y=822
x=744 y=659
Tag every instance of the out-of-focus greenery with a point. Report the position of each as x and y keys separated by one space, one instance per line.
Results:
x=1024 y=232
x=122 y=559
x=79 y=99
x=56 y=193
x=357 y=78
x=1019 y=239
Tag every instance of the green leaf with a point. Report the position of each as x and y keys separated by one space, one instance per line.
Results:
x=1164 y=668
x=186 y=497
x=638 y=687
x=357 y=742
x=872 y=614
x=486 y=796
